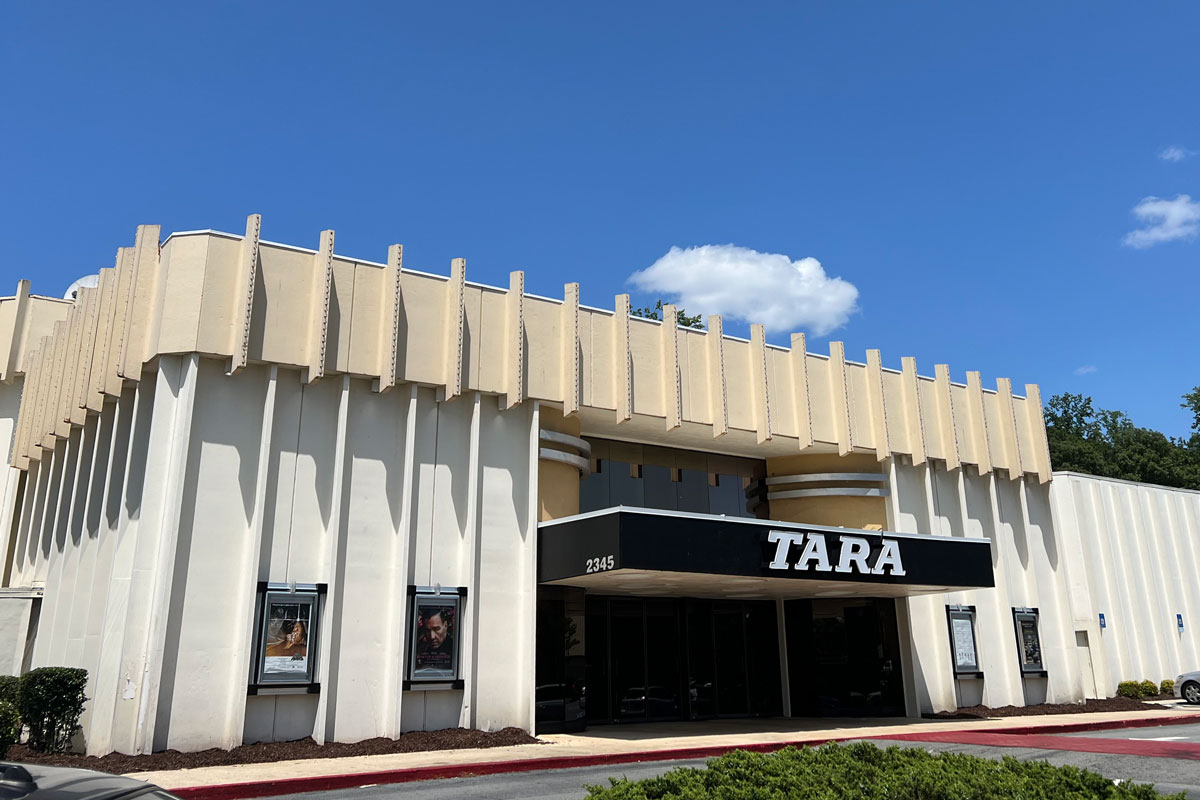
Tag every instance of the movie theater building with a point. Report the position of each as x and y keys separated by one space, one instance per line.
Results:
x=262 y=492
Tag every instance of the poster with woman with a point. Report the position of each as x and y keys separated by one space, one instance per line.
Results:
x=288 y=630
x=434 y=640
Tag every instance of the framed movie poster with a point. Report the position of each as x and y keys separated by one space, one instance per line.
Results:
x=287 y=636
x=434 y=641
x=962 y=639
x=1029 y=641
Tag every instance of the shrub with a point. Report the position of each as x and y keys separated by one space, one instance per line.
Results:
x=1149 y=688
x=864 y=772
x=9 y=687
x=50 y=702
x=10 y=727
x=1129 y=689
x=1167 y=687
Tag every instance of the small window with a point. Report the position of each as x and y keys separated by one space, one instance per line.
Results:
x=1029 y=640
x=288 y=622
x=962 y=640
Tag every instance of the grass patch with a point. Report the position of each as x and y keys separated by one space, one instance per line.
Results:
x=862 y=771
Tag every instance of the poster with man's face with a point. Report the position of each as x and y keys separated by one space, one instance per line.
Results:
x=286 y=640
x=435 y=637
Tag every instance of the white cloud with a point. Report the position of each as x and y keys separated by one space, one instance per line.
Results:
x=1165 y=221
x=1175 y=153
x=744 y=284
x=1085 y=370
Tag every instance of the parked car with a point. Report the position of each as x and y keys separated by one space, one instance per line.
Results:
x=1187 y=686
x=558 y=702
x=39 y=782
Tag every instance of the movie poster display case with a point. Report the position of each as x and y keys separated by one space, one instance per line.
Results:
x=433 y=643
x=287 y=622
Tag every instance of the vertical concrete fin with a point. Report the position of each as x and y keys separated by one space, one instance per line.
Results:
x=66 y=396
x=1035 y=418
x=33 y=438
x=571 y=379
x=672 y=393
x=1008 y=428
x=622 y=363
x=390 y=309
x=455 y=313
x=324 y=728
x=17 y=333
x=122 y=303
x=945 y=415
x=514 y=377
x=761 y=391
x=837 y=393
x=19 y=455
x=49 y=429
x=914 y=420
x=977 y=423
x=322 y=285
x=718 y=391
x=91 y=320
x=879 y=422
x=105 y=313
x=803 y=399
x=243 y=300
x=251 y=558
x=143 y=304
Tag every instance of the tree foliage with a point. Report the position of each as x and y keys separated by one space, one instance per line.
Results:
x=646 y=312
x=1097 y=441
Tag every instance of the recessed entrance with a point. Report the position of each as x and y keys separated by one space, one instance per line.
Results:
x=844 y=657
x=675 y=658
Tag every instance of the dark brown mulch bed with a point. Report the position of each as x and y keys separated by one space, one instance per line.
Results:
x=1087 y=707
x=416 y=741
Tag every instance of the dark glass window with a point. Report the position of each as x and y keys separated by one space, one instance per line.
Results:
x=660 y=490
x=730 y=659
x=628 y=658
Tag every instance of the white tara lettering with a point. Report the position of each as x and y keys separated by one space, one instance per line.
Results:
x=854 y=554
x=815 y=550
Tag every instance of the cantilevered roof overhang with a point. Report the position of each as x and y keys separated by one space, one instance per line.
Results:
x=642 y=551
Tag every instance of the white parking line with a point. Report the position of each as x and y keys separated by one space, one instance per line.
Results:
x=1161 y=738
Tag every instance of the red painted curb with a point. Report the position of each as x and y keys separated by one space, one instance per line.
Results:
x=319 y=783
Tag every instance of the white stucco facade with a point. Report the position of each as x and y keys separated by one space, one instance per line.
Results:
x=148 y=575
x=221 y=413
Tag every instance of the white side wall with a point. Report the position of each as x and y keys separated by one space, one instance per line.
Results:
x=1015 y=516
x=1132 y=554
x=152 y=526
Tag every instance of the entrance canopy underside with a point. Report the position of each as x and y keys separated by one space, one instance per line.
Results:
x=637 y=551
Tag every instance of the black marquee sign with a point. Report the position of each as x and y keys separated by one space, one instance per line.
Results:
x=646 y=539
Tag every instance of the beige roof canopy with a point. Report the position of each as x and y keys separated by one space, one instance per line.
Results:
x=250 y=301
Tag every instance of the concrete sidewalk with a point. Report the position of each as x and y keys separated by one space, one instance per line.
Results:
x=607 y=744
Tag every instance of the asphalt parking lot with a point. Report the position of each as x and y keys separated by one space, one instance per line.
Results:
x=1165 y=733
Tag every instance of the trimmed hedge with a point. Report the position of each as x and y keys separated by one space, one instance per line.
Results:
x=862 y=771
x=10 y=687
x=50 y=702
x=10 y=727
x=1140 y=689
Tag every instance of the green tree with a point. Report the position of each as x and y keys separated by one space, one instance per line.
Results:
x=1095 y=441
x=646 y=312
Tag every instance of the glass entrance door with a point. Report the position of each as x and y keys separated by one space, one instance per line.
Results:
x=661 y=659
x=844 y=657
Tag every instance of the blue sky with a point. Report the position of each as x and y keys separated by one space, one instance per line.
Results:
x=971 y=170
